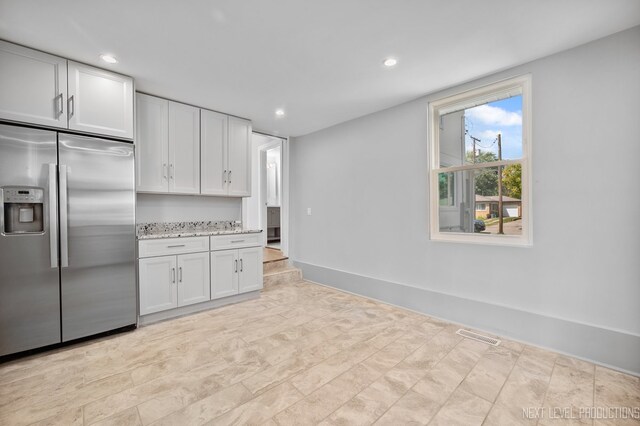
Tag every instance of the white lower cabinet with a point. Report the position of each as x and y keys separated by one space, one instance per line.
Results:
x=193 y=278
x=158 y=290
x=168 y=282
x=235 y=271
x=250 y=274
x=177 y=272
x=224 y=273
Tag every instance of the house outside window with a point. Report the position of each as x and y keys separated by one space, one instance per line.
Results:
x=480 y=165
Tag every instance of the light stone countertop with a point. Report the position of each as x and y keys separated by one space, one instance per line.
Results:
x=155 y=230
x=187 y=233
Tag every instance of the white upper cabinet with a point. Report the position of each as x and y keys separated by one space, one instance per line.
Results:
x=209 y=153
x=33 y=86
x=239 y=169
x=47 y=90
x=213 y=153
x=184 y=148
x=152 y=143
x=99 y=101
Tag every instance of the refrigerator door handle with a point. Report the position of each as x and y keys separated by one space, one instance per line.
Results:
x=64 y=220
x=53 y=215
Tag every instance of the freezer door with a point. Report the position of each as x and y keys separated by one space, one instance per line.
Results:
x=97 y=235
x=29 y=285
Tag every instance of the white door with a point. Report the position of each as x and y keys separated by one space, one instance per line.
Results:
x=213 y=153
x=193 y=278
x=99 y=101
x=239 y=174
x=158 y=284
x=264 y=210
x=33 y=86
x=250 y=269
x=224 y=273
x=184 y=148
x=152 y=143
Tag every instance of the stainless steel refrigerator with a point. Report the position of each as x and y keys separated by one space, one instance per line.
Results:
x=67 y=237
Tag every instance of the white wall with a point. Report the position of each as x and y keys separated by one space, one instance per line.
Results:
x=178 y=208
x=367 y=183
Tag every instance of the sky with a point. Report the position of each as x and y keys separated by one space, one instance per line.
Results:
x=485 y=121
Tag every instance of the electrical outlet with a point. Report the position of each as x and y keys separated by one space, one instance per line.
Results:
x=308 y=211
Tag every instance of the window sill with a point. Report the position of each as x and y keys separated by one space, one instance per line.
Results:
x=479 y=239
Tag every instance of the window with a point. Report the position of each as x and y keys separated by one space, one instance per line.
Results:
x=480 y=148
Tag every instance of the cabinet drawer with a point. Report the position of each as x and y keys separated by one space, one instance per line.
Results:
x=223 y=242
x=168 y=246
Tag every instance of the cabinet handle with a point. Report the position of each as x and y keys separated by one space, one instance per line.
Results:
x=229 y=176
x=173 y=275
x=236 y=265
x=180 y=273
x=241 y=265
x=237 y=241
x=224 y=176
x=71 y=109
x=60 y=104
x=176 y=245
x=164 y=171
x=171 y=171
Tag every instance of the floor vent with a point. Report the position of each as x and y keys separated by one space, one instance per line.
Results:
x=479 y=337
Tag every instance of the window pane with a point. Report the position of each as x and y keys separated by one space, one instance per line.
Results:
x=483 y=133
x=475 y=207
x=446 y=188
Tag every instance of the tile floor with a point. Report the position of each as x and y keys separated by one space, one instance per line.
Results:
x=303 y=354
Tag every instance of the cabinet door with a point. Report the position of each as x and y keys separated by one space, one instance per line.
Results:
x=100 y=101
x=158 y=288
x=33 y=86
x=239 y=177
x=152 y=143
x=193 y=278
x=250 y=260
x=224 y=273
x=184 y=148
x=213 y=153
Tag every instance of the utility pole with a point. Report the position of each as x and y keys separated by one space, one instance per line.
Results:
x=500 y=218
x=474 y=147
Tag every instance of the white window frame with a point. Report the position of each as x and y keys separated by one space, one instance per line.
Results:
x=468 y=99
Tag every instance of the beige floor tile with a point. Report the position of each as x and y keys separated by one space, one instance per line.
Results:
x=58 y=404
x=335 y=365
x=127 y=417
x=439 y=383
x=322 y=402
x=208 y=408
x=489 y=374
x=302 y=354
x=261 y=408
x=71 y=417
x=512 y=416
x=524 y=389
x=462 y=408
x=412 y=408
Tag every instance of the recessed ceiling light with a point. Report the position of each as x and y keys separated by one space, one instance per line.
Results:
x=110 y=59
x=390 y=62
x=280 y=112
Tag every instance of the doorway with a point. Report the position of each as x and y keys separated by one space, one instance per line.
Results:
x=266 y=209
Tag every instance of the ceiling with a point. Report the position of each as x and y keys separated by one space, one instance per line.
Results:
x=320 y=61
